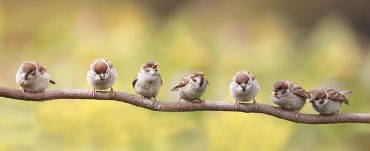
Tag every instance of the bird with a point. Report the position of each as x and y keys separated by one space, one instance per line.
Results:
x=148 y=81
x=191 y=87
x=289 y=96
x=244 y=87
x=32 y=77
x=328 y=101
x=101 y=75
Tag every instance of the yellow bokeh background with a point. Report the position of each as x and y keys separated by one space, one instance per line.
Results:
x=218 y=38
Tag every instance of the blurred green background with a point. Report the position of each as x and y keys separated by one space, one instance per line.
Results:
x=312 y=42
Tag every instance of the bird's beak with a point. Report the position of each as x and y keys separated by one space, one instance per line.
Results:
x=202 y=75
x=155 y=66
x=101 y=77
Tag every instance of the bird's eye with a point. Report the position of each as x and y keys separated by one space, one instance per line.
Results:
x=321 y=101
x=283 y=91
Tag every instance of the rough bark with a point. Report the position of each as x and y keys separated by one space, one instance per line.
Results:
x=185 y=106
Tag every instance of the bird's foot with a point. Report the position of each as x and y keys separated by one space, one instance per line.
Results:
x=255 y=104
x=237 y=104
x=296 y=114
x=178 y=104
x=338 y=115
x=112 y=93
x=94 y=92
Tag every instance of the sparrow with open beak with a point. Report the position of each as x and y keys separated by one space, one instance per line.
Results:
x=148 y=81
x=192 y=87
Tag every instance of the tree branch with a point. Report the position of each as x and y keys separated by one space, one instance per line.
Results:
x=186 y=106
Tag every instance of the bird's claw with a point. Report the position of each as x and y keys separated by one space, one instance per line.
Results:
x=112 y=92
x=178 y=104
x=237 y=103
x=94 y=92
x=296 y=114
x=255 y=104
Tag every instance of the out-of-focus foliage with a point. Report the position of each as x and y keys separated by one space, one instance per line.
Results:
x=218 y=37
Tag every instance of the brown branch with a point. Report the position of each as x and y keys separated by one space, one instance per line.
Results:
x=186 y=106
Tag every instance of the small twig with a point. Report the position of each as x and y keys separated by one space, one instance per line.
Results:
x=185 y=106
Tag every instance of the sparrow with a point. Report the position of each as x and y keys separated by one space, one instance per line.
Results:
x=192 y=87
x=148 y=80
x=289 y=96
x=328 y=101
x=244 y=87
x=32 y=77
x=101 y=75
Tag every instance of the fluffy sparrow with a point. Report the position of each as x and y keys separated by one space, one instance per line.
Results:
x=244 y=87
x=32 y=77
x=192 y=87
x=148 y=80
x=289 y=96
x=101 y=75
x=328 y=101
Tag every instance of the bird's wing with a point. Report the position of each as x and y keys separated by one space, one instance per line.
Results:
x=40 y=68
x=337 y=96
x=182 y=83
x=298 y=90
x=252 y=76
x=160 y=78
x=134 y=82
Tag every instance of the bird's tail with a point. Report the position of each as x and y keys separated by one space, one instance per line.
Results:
x=52 y=82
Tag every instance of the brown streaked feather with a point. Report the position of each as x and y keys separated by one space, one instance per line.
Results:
x=298 y=90
x=100 y=67
x=317 y=94
x=252 y=76
x=109 y=64
x=337 y=96
x=41 y=69
x=182 y=83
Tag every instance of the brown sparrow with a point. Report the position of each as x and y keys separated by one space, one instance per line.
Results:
x=101 y=75
x=33 y=77
x=148 y=80
x=244 y=87
x=289 y=96
x=328 y=101
x=192 y=87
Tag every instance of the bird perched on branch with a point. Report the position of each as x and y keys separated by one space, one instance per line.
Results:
x=192 y=87
x=148 y=81
x=32 y=77
x=328 y=101
x=244 y=87
x=289 y=96
x=101 y=75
